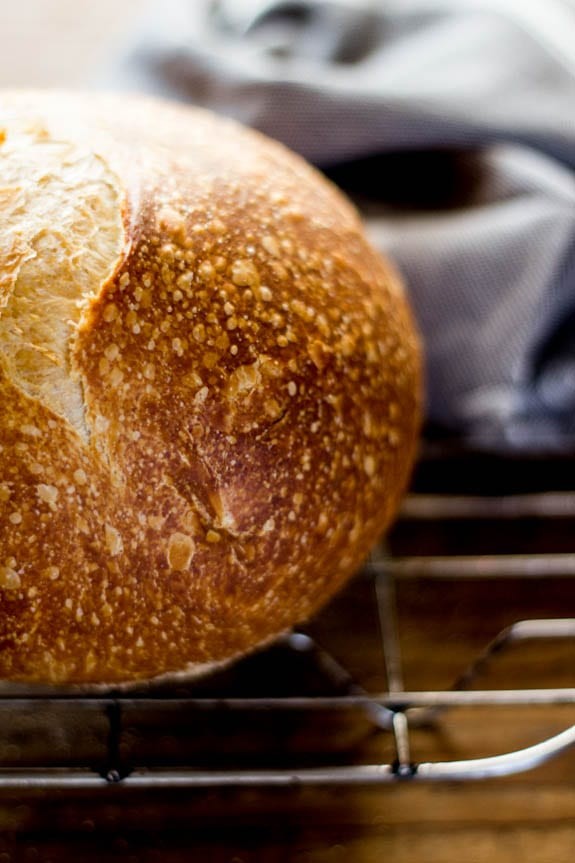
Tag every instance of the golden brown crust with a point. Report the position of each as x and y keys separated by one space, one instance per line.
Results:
x=251 y=381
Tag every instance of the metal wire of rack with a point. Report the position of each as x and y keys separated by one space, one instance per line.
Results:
x=97 y=759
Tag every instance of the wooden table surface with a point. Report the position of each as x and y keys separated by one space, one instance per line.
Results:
x=530 y=817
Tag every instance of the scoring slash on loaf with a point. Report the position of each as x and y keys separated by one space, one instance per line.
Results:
x=209 y=383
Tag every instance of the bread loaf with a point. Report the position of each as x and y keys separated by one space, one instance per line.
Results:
x=209 y=385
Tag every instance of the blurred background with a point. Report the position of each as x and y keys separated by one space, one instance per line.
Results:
x=60 y=43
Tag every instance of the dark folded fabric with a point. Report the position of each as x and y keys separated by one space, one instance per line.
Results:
x=452 y=124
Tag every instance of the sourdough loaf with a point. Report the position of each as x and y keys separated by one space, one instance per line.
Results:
x=209 y=385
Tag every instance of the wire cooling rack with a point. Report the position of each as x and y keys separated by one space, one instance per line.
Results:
x=296 y=715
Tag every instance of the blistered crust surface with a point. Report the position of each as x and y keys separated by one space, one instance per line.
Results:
x=250 y=383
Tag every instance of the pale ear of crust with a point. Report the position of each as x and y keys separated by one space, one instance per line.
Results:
x=210 y=389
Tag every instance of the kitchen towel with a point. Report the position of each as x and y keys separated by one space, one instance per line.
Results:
x=452 y=125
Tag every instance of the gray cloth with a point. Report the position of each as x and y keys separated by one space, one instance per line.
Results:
x=452 y=124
